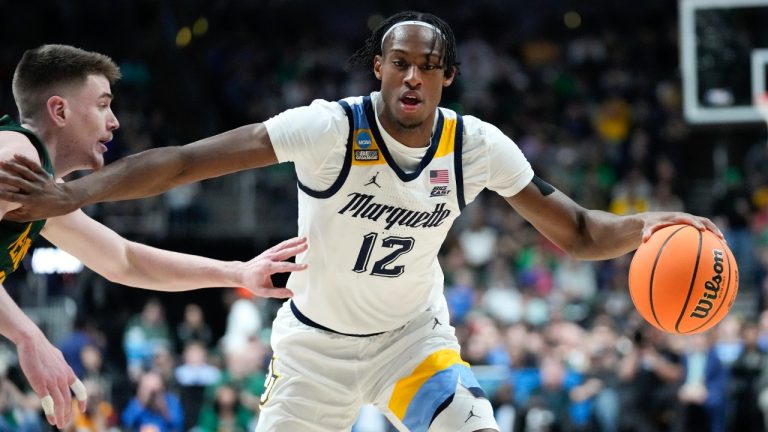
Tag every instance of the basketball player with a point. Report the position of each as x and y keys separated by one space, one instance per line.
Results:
x=63 y=95
x=381 y=179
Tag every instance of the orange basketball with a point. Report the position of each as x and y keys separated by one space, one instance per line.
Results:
x=683 y=280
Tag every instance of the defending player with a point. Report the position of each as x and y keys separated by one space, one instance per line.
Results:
x=63 y=95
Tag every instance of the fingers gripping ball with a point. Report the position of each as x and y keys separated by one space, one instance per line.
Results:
x=683 y=280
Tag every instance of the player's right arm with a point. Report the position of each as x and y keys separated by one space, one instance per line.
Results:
x=307 y=136
x=144 y=174
x=41 y=362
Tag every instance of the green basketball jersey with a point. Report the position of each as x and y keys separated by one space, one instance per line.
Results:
x=15 y=238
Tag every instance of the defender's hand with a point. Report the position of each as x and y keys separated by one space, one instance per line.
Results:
x=51 y=378
x=37 y=192
x=255 y=275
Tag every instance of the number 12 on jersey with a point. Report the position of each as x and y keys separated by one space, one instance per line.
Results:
x=401 y=245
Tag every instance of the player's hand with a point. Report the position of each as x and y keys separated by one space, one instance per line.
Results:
x=51 y=379
x=655 y=221
x=255 y=275
x=37 y=192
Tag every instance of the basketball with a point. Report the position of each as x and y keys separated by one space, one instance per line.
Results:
x=683 y=280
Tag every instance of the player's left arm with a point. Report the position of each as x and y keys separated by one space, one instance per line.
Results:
x=582 y=233
x=134 y=264
x=592 y=234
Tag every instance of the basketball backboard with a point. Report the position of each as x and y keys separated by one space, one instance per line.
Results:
x=724 y=59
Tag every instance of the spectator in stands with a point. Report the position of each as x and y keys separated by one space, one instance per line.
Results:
x=461 y=294
x=164 y=364
x=651 y=372
x=84 y=333
x=143 y=334
x=665 y=199
x=733 y=211
x=18 y=412
x=245 y=371
x=728 y=342
x=97 y=372
x=153 y=408
x=195 y=369
x=632 y=194
x=478 y=241
x=243 y=322
x=192 y=377
x=601 y=383
x=227 y=414
x=501 y=300
x=702 y=395
x=548 y=405
x=193 y=327
x=744 y=388
x=576 y=286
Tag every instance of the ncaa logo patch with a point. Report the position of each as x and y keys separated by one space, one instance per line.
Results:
x=363 y=152
x=364 y=140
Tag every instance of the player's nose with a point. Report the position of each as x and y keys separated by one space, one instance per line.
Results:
x=413 y=76
x=112 y=123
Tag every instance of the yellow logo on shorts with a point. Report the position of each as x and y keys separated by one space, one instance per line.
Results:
x=272 y=377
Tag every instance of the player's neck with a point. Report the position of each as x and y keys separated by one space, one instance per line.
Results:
x=51 y=142
x=410 y=136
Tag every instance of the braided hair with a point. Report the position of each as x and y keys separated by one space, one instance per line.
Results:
x=373 y=45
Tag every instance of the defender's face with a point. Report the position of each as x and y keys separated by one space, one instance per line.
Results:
x=90 y=124
x=412 y=75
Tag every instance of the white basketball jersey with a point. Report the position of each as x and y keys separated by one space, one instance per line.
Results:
x=375 y=233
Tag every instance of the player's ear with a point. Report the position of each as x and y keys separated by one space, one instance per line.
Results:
x=449 y=76
x=377 y=66
x=56 y=109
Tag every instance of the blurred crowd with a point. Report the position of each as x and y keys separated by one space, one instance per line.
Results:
x=596 y=108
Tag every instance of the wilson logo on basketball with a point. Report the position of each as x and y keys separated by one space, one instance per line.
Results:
x=711 y=287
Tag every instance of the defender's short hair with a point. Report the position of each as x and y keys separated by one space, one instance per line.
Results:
x=44 y=71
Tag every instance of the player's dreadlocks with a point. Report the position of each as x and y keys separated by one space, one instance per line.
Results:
x=365 y=55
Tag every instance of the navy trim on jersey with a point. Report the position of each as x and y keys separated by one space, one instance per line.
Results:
x=458 y=162
x=306 y=321
x=371 y=115
x=344 y=168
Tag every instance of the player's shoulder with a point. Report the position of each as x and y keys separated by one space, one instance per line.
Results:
x=9 y=137
x=14 y=142
x=480 y=132
x=322 y=107
x=353 y=100
x=319 y=111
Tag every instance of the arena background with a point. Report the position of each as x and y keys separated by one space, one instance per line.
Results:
x=592 y=93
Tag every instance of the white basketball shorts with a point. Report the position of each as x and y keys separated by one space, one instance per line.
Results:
x=318 y=379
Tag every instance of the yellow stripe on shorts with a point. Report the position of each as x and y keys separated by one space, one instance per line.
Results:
x=406 y=388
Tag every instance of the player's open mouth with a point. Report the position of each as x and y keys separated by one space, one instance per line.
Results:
x=103 y=144
x=410 y=103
